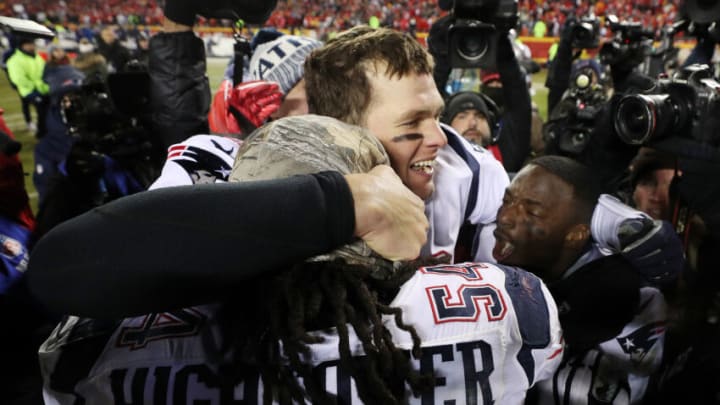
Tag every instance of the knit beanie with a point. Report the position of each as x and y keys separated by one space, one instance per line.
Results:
x=459 y=102
x=282 y=60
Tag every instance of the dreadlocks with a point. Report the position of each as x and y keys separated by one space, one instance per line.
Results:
x=313 y=296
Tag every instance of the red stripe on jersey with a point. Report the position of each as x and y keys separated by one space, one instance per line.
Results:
x=558 y=351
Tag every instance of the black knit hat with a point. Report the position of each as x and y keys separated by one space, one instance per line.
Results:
x=647 y=160
x=463 y=101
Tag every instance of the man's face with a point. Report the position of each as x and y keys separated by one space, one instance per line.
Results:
x=58 y=53
x=28 y=46
x=403 y=114
x=472 y=125
x=108 y=35
x=534 y=219
x=294 y=103
x=652 y=193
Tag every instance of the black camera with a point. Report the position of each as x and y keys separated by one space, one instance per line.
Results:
x=475 y=28
x=572 y=121
x=109 y=116
x=629 y=46
x=687 y=105
x=585 y=33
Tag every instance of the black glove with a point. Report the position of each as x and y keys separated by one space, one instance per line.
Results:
x=84 y=162
x=35 y=97
x=653 y=248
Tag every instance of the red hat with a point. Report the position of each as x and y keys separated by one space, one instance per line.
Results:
x=487 y=76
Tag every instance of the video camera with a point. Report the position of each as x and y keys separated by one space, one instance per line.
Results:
x=585 y=33
x=572 y=121
x=475 y=28
x=109 y=116
x=628 y=47
x=686 y=105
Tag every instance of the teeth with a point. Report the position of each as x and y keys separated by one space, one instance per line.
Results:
x=507 y=249
x=503 y=250
x=426 y=166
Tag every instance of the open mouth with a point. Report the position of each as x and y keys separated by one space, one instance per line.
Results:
x=503 y=248
x=424 y=166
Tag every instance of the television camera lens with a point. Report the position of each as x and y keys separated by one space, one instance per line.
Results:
x=641 y=117
x=472 y=46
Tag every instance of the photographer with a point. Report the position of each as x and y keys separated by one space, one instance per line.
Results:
x=51 y=150
x=601 y=149
x=514 y=123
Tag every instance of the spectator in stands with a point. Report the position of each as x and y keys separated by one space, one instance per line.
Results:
x=91 y=63
x=110 y=47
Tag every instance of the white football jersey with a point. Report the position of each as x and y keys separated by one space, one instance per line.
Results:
x=197 y=160
x=489 y=333
x=469 y=187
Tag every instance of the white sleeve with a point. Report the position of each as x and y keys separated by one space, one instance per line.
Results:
x=200 y=158
x=469 y=184
x=607 y=217
x=493 y=182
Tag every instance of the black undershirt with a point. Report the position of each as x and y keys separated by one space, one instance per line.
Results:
x=170 y=248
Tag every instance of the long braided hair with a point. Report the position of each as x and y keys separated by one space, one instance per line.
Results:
x=274 y=336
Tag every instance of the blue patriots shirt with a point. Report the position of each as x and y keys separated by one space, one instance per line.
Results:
x=14 y=255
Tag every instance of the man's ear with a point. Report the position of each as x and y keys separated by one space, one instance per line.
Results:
x=577 y=236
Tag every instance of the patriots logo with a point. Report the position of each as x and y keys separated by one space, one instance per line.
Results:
x=202 y=165
x=10 y=247
x=638 y=343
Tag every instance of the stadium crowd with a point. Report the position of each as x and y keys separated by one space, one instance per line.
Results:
x=339 y=223
x=343 y=14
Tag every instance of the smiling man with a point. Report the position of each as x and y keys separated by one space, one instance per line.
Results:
x=382 y=80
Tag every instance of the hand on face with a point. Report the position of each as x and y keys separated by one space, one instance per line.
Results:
x=388 y=216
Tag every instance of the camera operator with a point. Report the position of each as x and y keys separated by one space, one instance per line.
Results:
x=601 y=149
x=52 y=149
x=514 y=123
x=102 y=145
